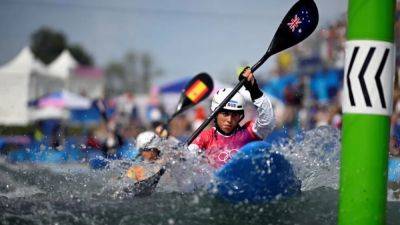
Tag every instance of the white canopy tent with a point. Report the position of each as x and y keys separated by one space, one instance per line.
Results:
x=76 y=78
x=60 y=71
x=15 y=79
x=62 y=66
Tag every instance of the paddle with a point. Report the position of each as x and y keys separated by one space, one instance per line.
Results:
x=299 y=22
x=195 y=91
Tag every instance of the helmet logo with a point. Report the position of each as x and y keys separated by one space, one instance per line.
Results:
x=232 y=104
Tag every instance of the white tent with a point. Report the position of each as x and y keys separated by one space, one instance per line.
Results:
x=43 y=82
x=14 y=87
x=75 y=78
x=63 y=65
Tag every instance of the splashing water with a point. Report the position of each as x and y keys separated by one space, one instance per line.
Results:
x=75 y=194
x=182 y=176
x=186 y=175
x=314 y=155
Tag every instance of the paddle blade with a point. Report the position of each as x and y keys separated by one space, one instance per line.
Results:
x=195 y=91
x=298 y=24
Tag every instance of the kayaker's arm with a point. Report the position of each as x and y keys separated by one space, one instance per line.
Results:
x=265 y=122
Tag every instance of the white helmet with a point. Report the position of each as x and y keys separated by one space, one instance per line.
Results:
x=236 y=103
x=148 y=140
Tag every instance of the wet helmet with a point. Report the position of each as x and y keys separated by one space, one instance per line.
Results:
x=148 y=140
x=235 y=104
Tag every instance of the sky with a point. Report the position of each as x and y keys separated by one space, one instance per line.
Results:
x=184 y=37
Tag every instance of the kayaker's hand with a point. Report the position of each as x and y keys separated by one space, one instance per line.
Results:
x=251 y=83
x=135 y=173
x=162 y=131
x=248 y=75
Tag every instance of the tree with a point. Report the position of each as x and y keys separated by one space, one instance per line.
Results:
x=116 y=80
x=80 y=54
x=130 y=64
x=133 y=73
x=147 y=64
x=47 y=44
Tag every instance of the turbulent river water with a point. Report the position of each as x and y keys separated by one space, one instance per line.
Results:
x=75 y=194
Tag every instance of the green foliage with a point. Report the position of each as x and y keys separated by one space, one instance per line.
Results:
x=116 y=77
x=70 y=130
x=134 y=73
x=47 y=44
x=116 y=69
x=16 y=130
x=80 y=54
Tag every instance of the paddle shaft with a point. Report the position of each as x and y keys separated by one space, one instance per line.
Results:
x=170 y=118
x=226 y=100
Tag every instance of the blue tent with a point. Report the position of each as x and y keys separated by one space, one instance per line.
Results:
x=175 y=86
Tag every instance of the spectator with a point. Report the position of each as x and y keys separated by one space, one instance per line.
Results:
x=92 y=142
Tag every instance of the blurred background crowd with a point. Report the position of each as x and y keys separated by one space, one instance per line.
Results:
x=56 y=91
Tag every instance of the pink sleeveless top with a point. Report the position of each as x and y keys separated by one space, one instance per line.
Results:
x=219 y=148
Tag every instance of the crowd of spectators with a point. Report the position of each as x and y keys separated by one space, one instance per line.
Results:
x=305 y=86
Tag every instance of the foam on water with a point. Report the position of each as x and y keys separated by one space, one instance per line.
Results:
x=314 y=155
x=76 y=194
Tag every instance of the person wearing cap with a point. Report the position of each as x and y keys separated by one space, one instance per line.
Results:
x=220 y=142
x=148 y=144
x=158 y=166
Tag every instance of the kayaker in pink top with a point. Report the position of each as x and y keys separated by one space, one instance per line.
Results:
x=226 y=137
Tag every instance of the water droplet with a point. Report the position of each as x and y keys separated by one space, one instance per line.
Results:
x=171 y=221
x=196 y=199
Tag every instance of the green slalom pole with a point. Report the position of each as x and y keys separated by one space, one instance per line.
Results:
x=367 y=107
